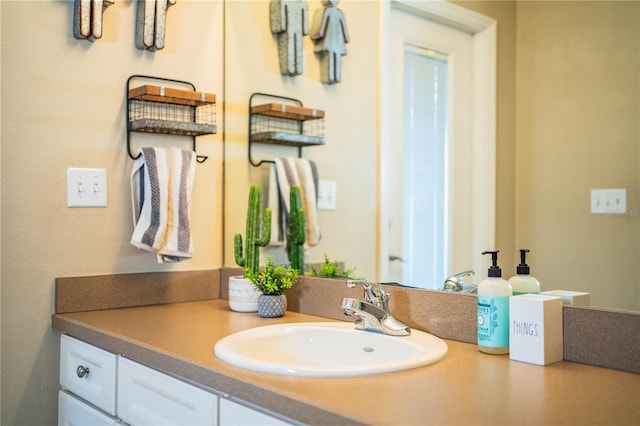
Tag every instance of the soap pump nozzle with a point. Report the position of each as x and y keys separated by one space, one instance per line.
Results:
x=523 y=268
x=494 y=269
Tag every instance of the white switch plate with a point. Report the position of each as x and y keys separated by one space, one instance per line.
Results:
x=609 y=201
x=326 y=195
x=86 y=187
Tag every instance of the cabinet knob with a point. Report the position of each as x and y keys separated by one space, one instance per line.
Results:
x=82 y=371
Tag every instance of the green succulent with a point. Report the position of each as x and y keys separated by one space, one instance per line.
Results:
x=273 y=279
x=330 y=269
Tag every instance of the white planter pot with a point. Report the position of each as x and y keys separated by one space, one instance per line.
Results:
x=243 y=296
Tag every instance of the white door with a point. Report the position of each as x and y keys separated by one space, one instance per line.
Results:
x=428 y=157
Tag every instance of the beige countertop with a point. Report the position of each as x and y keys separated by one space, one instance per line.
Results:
x=466 y=387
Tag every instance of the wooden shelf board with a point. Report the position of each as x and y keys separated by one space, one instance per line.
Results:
x=286 y=111
x=171 y=96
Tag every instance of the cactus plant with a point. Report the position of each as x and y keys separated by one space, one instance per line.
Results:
x=258 y=233
x=297 y=232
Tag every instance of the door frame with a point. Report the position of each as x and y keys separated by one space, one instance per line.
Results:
x=483 y=191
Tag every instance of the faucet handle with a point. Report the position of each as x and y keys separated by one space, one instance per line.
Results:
x=373 y=292
x=454 y=282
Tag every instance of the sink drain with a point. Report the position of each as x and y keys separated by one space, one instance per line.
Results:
x=368 y=349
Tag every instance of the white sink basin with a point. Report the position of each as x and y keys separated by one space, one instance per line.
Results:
x=327 y=349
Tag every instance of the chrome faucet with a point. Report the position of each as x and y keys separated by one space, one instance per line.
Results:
x=455 y=283
x=373 y=313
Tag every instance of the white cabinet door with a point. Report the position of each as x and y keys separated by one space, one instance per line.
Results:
x=232 y=413
x=143 y=396
x=89 y=372
x=73 y=411
x=149 y=397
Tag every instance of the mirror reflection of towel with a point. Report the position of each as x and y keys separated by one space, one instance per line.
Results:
x=161 y=186
x=285 y=173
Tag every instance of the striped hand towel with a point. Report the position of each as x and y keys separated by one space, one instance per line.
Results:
x=285 y=173
x=161 y=186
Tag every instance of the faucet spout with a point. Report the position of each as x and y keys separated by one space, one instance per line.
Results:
x=373 y=314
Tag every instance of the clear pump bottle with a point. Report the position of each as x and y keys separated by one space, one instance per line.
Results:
x=523 y=282
x=493 y=310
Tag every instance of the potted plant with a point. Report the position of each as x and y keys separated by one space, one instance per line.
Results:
x=271 y=282
x=243 y=296
x=331 y=269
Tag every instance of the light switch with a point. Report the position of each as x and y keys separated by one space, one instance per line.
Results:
x=86 y=187
x=326 y=195
x=609 y=201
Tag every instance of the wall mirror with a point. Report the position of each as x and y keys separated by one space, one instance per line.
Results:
x=567 y=108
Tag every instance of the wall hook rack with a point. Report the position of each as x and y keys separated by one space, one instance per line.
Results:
x=158 y=108
x=283 y=122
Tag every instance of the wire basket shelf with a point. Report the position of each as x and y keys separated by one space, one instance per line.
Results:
x=169 y=110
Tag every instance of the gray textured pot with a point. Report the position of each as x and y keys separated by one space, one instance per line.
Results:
x=272 y=306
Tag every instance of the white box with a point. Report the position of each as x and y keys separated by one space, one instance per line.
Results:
x=576 y=298
x=535 y=329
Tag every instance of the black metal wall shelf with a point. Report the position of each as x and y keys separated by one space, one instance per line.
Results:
x=168 y=110
x=283 y=121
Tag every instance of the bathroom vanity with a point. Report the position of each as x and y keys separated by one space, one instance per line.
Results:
x=176 y=340
x=102 y=388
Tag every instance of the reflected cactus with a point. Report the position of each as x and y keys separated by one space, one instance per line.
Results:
x=296 y=234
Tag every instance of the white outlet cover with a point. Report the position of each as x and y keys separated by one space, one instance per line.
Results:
x=86 y=187
x=326 y=195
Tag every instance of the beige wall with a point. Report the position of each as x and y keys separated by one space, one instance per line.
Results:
x=578 y=128
x=63 y=106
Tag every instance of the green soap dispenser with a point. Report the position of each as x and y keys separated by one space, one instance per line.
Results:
x=493 y=310
x=523 y=282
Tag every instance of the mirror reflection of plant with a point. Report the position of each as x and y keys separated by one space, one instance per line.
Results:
x=273 y=279
x=297 y=232
x=331 y=269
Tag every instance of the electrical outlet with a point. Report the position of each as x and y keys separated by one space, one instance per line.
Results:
x=86 y=187
x=609 y=201
x=326 y=195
